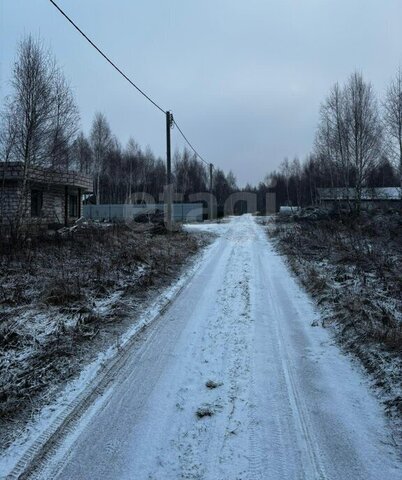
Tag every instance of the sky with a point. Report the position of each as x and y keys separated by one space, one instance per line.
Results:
x=243 y=78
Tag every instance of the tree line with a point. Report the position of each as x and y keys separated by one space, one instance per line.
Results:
x=40 y=126
x=130 y=175
x=358 y=144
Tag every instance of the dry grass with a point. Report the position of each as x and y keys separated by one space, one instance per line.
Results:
x=65 y=297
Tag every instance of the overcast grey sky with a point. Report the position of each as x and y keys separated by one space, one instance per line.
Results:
x=244 y=78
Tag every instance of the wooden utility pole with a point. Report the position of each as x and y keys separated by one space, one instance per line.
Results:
x=169 y=118
x=211 y=206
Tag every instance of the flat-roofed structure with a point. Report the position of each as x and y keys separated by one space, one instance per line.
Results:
x=50 y=197
x=378 y=197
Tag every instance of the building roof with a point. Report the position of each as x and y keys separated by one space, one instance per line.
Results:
x=15 y=171
x=368 y=194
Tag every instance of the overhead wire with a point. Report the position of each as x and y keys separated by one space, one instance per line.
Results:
x=188 y=142
x=126 y=77
x=106 y=57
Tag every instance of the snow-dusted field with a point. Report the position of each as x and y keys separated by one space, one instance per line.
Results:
x=233 y=382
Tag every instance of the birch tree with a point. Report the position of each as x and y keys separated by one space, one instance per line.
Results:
x=101 y=143
x=131 y=154
x=65 y=124
x=393 y=121
x=364 y=131
x=40 y=117
x=332 y=141
x=82 y=154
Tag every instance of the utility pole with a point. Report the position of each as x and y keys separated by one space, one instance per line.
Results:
x=211 y=207
x=169 y=193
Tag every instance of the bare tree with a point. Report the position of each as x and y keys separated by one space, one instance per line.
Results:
x=190 y=174
x=39 y=116
x=310 y=174
x=64 y=125
x=393 y=120
x=8 y=134
x=286 y=172
x=41 y=107
x=132 y=154
x=31 y=104
x=364 y=130
x=332 y=140
x=297 y=174
x=82 y=154
x=349 y=136
x=101 y=143
x=232 y=182
x=222 y=188
x=182 y=172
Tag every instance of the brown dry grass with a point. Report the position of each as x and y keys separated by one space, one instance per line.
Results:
x=49 y=321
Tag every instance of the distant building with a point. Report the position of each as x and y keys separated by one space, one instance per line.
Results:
x=384 y=197
x=51 y=197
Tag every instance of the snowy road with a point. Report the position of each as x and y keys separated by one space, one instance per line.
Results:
x=282 y=402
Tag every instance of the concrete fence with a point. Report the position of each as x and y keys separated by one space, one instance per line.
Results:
x=181 y=212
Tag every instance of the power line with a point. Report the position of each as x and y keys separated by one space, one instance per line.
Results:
x=186 y=139
x=106 y=57
x=125 y=76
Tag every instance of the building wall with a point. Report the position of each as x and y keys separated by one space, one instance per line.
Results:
x=14 y=171
x=53 y=203
x=53 y=207
x=9 y=201
x=365 y=204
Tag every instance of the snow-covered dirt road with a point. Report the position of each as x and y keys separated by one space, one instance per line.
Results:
x=233 y=382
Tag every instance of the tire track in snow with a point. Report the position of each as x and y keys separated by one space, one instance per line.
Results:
x=272 y=446
x=312 y=463
x=242 y=322
x=227 y=350
x=240 y=362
